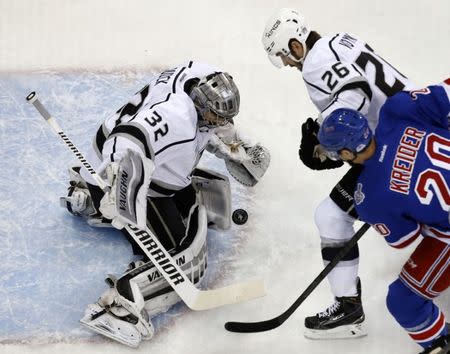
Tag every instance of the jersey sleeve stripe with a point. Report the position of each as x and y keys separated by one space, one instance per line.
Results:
x=437 y=233
x=157 y=103
x=176 y=78
x=362 y=85
x=356 y=69
x=406 y=239
x=362 y=104
x=100 y=139
x=130 y=109
x=317 y=88
x=134 y=132
x=330 y=44
x=176 y=143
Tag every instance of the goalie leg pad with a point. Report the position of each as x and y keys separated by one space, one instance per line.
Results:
x=214 y=193
x=156 y=292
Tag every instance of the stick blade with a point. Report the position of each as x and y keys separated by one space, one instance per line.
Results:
x=231 y=294
x=253 y=327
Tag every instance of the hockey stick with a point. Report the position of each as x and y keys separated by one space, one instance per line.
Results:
x=194 y=298
x=251 y=327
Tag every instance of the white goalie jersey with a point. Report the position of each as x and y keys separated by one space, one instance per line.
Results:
x=341 y=71
x=160 y=123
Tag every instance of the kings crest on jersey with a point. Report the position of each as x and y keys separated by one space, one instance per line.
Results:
x=159 y=125
x=342 y=71
x=410 y=170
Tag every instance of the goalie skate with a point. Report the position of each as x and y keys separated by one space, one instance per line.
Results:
x=120 y=326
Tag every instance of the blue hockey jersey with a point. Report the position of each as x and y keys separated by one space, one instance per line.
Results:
x=404 y=188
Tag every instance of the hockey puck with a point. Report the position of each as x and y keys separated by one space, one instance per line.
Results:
x=239 y=216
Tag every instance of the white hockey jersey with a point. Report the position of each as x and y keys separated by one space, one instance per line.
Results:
x=341 y=71
x=160 y=122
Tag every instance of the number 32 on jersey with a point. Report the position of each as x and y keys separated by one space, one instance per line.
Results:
x=155 y=121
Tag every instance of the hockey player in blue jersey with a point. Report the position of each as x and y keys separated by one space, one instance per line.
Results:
x=403 y=192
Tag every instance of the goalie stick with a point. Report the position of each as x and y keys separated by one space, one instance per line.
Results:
x=251 y=327
x=194 y=298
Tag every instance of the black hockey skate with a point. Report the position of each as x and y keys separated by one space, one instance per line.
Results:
x=343 y=319
x=440 y=345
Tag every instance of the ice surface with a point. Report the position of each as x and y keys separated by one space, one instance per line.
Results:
x=53 y=265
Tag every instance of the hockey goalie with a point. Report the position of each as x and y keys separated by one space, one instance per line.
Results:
x=148 y=153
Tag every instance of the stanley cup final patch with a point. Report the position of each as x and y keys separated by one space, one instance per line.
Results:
x=359 y=195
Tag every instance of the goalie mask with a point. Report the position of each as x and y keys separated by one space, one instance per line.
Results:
x=217 y=96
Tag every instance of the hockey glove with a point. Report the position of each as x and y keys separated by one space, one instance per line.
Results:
x=309 y=148
x=227 y=144
x=245 y=161
x=250 y=171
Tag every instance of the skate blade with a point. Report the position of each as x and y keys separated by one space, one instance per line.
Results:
x=342 y=332
x=104 y=330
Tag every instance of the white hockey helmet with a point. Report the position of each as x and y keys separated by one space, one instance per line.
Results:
x=283 y=26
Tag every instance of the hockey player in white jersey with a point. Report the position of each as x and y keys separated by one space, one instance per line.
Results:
x=339 y=71
x=148 y=151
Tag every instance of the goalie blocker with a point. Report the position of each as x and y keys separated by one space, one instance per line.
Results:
x=126 y=201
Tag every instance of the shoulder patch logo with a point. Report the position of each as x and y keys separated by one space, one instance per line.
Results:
x=359 y=195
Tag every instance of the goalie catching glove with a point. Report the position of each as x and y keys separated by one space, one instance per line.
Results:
x=227 y=144
x=126 y=200
x=245 y=161
x=250 y=171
